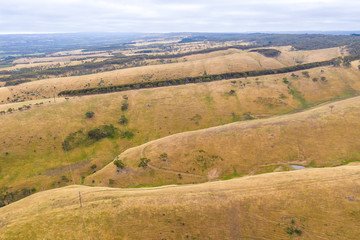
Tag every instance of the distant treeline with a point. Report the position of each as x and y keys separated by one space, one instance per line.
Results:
x=106 y=65
x=298 y=41
x=199 y=79
x=16 y=82
x=268 y=52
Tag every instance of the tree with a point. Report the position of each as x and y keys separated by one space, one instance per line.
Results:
x=124 y=106
x=120 y=164
x=123 y=120
x=164 y=157
x=144 y=162
x=232 y=92
x=306 y=74
x=89 y=114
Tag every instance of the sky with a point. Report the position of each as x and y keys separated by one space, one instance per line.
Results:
x=53 y=16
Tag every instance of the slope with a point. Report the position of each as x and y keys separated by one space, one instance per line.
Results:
x=304 y=204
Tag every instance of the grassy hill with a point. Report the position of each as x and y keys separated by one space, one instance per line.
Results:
x=305 y=204
x=232 y=60
x=32 y=150
x=324 y=136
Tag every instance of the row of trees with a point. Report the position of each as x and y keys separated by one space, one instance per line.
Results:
x=205 y=78
x=106 y=65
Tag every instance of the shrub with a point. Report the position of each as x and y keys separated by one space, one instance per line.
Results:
x=89 y=114
x=111 y=181
x=306 y=74
x=248 y=116
x=232 y=92
x=127 y=134
x=73 y=140
x=144 y=162
x=102 y=132
x=285 y=81
x=124 y=106
x=123 y=120
x=120 y=164
x=315 y=79
x=163 y=157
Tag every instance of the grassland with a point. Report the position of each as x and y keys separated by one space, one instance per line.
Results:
x=231 y=60
x=31 y=150
x=305 y=204
x=324 y=136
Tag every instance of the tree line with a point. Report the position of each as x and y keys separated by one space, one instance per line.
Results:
x=199 y=79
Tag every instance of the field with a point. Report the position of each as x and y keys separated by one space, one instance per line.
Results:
x=231 y=60
x=208 y=157
x=34 y=154
x=305 y=204
x=321 y=137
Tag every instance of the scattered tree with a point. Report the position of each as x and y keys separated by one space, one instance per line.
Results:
x=124 y=106
x=123 y=120
x=120 y=164
x=306 y=74
x=232 y=92
x=89 y=114
x=144 y=162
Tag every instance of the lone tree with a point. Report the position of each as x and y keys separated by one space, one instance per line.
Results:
x=89 y=114
x=164 y=157
x=144 y=162
x=124 y=106
x=123 y=120
x=120 y=164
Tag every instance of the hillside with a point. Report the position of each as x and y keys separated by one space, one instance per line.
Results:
x=32 y=149
x=232 y=60
x=321 y=137
x=305 y=204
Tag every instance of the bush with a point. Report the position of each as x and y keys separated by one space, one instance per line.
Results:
x=127 y=134
x=232 y=92
x=73 y=140
x=102 y=132
x=111 y=181
x=306 y=74
x=291 y=230
x=120 y=164
x=89 y=114
x=286 y=81
x=163 y=157
x=144 y=162
x=124 y=106
x=123 y=120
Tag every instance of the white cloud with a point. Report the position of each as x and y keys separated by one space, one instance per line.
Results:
x=176 y=15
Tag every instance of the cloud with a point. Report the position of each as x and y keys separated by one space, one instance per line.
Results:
x=176 y=15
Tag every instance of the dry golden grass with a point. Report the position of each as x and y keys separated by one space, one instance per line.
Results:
x=231 y=60
x=33 y=138
x=60 y=58
x=32 y=103
x=51 y=64
x=321 y=203
x=323 y=136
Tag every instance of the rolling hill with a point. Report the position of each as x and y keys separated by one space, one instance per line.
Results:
x=305 y=204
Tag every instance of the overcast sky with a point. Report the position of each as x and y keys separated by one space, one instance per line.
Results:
x=25 y=16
